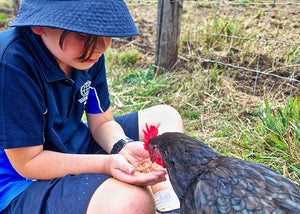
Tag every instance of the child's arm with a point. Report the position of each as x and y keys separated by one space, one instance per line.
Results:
x=36 y=163
x=105 y=130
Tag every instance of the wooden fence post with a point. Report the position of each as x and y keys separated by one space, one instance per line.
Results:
x=16 y=4
x=169 y=14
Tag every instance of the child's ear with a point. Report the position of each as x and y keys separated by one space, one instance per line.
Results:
x=38 y=30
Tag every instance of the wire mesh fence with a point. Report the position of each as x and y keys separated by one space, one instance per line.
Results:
x=260 y=38
x=257 y=43
x=145 y=15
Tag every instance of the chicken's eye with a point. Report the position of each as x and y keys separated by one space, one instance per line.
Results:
x=156 y=150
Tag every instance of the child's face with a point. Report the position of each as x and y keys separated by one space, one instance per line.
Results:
x=72 y=48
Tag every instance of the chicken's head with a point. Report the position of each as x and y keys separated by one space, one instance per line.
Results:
x=153 y=150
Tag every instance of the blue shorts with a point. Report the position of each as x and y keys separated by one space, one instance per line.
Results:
x=70 y=194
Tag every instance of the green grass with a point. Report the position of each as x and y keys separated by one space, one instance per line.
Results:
x=231 y=122
x=280 y=129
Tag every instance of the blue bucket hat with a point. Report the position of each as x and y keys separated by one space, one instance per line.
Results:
x=96 y=17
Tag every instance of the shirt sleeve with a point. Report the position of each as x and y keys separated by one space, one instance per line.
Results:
x=22 y=120
x=98 y=98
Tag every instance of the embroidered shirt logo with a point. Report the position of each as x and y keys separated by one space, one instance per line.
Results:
x=84 y=91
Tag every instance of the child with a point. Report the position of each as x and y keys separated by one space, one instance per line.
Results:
x=52 y=69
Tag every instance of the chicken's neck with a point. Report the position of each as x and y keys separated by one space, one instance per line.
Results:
x=188 y=163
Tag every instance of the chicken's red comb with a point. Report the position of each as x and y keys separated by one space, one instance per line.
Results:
x=149 y=133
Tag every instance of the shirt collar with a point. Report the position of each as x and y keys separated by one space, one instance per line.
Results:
x=46 y=61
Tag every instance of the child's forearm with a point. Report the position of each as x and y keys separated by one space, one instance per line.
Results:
x=108 y=134
x=46 y=165
x=105 y=130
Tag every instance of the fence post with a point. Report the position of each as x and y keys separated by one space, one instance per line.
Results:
x=169 y=14
x=16 y=6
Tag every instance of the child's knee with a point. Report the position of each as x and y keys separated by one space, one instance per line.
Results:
x=169 y=110
x=171 y=116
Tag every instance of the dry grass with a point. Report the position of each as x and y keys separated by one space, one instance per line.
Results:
x=212 y=107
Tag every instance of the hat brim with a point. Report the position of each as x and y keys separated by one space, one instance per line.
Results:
x=102 y=18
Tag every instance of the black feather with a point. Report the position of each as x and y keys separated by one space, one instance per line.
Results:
x=210 y=183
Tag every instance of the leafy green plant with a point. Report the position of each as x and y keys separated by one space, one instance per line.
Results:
x=140 y=76
x=292 y=54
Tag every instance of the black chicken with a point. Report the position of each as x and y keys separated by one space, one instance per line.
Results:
x=210 y=183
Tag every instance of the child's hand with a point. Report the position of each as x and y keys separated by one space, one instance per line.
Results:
x=136 y=154
x=122 y=169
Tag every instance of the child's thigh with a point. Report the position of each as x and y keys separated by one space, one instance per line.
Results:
x=117 y=197
x=70 y=194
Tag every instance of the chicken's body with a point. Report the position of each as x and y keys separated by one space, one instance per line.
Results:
x=210 y=183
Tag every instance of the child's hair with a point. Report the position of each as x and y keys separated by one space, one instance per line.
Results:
x=90 y=42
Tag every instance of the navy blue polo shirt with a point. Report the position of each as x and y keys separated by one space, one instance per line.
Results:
x=40 y=105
